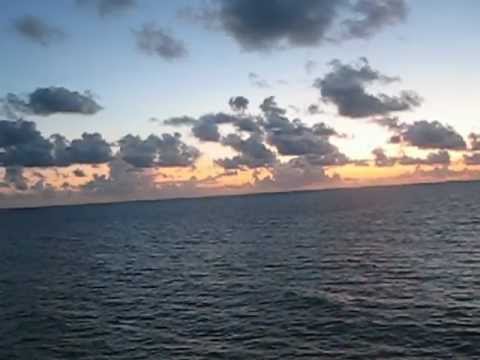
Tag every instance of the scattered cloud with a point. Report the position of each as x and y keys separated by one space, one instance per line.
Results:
x=294 y=138
x=206 y=127
x=273 y=128
x=238 y=103
x=432 y=135
x=253 y=153
x=180 y=121
x=156 y=41
x=157 y=151
x=371 y=16
x=52 y=100
x=425 y=134
x=345 y=87
x=89 y=149
x=262 y=25
x=257 y=81
x=109 y=7
x=38 y=31
x=21 y=144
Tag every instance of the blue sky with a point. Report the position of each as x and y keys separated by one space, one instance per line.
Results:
x=435 y=52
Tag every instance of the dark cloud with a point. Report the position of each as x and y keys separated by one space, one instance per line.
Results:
x=275 y=24
x=345 y=87
x=288 y=137
x=270 y=108
x=238 y=103
x=299 y=142
x=36 y=30
x=90 y=149
x=294 y=138
x=153 y=40
x=79 y=173
x=257 y=81
x=247 y=124
x=15 y=133
x=53 y=100
x=206 y=127
x=432 y=135
x=157 y=151
x=109 y=7
x=424 y=134
x=253 y=153
x=21 y=144
x=373 y=15
x=180 y=121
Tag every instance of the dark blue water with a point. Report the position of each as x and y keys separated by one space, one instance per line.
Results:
x=386 y=273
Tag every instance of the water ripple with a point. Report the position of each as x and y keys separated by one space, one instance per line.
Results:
x=391 y=273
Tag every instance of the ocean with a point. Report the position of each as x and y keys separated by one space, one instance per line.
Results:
x=372 y=273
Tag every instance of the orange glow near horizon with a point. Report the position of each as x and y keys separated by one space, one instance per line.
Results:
x=207 y=175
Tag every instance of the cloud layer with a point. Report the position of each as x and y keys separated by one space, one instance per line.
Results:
x=23 y=145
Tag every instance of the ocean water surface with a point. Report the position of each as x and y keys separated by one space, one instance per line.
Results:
x=378 y=273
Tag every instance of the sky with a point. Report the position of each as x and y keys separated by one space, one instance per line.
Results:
x=113 y=100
